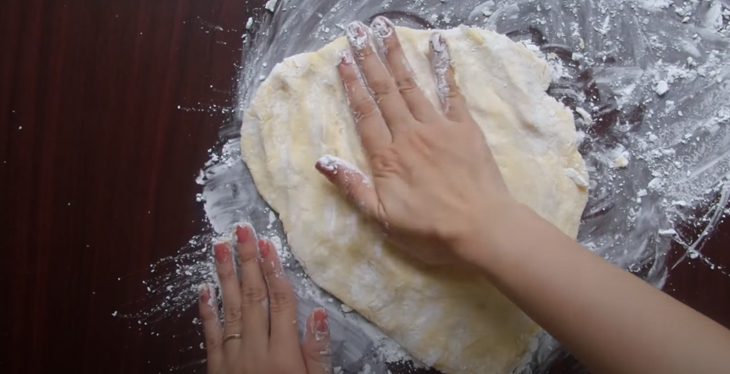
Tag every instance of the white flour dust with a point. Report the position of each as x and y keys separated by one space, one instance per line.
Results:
x=648 y=83
x=441 y=62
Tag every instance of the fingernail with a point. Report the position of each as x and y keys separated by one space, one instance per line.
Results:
x=346 y=57
x=243 y=234
x=204 y=292
x=207 y=294
x=440 y=62
x=327 y=164
x=264 y=248
x=321 y=323
x=357 y=34
x=437 y=42
x=382 y=27
x=222 y=253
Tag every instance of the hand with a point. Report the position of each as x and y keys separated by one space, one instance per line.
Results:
x=259 y=333
x=434 y=180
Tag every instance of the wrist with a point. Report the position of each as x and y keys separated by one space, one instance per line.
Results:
x=487 y=235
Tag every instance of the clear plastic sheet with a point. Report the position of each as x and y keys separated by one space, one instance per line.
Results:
x=647 y=80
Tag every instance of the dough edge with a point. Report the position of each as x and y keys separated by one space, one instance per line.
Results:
x=264 y=161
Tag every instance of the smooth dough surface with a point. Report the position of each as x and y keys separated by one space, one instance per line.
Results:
x=454 y=321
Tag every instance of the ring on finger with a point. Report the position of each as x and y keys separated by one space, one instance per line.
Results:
x=232 y=337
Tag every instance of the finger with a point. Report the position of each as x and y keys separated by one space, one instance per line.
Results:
x=351 y=182
x=282 y=301
x=316 y=346
x=397 y=63
x=452 y=101
x=391 y=104
x=231 y=294
x=255 y=320
x=371 y=127
x=211 y=329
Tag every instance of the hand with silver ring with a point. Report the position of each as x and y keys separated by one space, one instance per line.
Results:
x=259 y=333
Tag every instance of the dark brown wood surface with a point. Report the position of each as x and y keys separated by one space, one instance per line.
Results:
x=97 y=169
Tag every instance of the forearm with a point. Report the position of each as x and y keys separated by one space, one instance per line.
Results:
x=608 y=318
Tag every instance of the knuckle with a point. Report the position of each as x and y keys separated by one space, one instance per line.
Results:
x=253 y=295
x=385 y=161
x=350 y=79
x=352 y=191
x=232 y=314
x=365 y=107
x=454 y=92
x=273 y=271
x=381 y=87
x=281 y=300
x=407 y=85
x=213 y=344
x=394 y=48
x=394 y=53
x=365 y=53
x=318 y=350
x=226 y=272
x=247 y=256
x=320 y=358
x=207 y=314
x=454 y=89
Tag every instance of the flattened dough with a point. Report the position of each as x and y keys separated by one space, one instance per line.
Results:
x=453 y=321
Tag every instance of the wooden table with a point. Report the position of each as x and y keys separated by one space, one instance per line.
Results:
x=105 y=124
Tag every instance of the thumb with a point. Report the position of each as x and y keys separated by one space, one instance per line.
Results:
x=316 y=346
x=355 y=185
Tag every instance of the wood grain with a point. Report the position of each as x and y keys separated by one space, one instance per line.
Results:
x=97 y=165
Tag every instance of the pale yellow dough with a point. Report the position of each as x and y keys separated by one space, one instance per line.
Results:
x=454 y=321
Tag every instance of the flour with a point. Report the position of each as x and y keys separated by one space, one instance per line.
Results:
x=323 y=229
x=382 y=28
x=357 y=33
x=634 y=138
x=210 y=290
x=330 y=163
x=441 y=62
x=335 y=165
x=661 y=88
x=271 y=5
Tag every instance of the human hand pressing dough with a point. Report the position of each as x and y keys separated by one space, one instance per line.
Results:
x=433 y=175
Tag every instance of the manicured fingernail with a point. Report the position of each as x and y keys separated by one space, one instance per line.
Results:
x=222 y=253
x=204 y=292
x=243 y=234
x=207 y=294
x=264 y=248
x=382 y=27
x=320 y=324
x=357 y=34
x=346 y=57
x=438 y=45
x=327 y=164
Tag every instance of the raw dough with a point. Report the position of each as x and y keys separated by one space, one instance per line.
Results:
x=453 y=321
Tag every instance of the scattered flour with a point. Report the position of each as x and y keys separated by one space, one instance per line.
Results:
x=653 y=114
